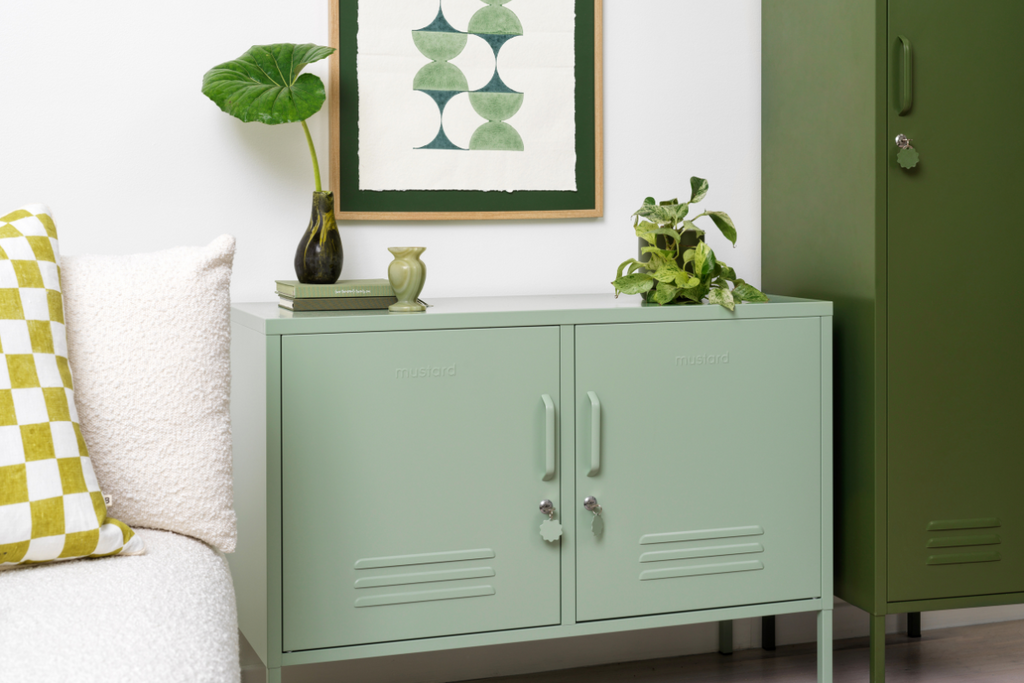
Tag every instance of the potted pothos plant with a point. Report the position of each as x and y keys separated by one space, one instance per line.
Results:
x=676 y=265
x=266 y=85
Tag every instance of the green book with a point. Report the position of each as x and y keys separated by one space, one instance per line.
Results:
x=342 y=288
x=348 y=303
x=314 y=307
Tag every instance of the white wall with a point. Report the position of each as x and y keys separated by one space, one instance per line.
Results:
x=101 y=117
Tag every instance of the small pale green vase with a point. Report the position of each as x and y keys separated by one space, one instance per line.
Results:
x=407 y=275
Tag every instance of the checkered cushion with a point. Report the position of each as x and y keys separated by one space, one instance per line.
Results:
x=51 y=507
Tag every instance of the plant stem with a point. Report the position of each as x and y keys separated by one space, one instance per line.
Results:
x=312 y=153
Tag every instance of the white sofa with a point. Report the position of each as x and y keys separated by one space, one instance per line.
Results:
x=168 y=615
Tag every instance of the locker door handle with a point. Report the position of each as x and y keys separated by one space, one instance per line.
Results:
x=907 y=75
x=595 y=435
x=549 y=438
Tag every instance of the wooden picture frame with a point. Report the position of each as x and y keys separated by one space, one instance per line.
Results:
x=354 y=204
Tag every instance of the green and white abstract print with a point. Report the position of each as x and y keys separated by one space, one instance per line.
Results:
x=441 y=81
x=466 y=95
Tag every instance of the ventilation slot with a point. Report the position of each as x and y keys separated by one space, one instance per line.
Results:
x=707 y=551
x=693 y=557
x=953 y=524
x=959 y=541
x=424 y=577
x=438 y=575
x=425 y=596
x=702 y=535
x=964 y=558
x=700 y=570
x=425 y=558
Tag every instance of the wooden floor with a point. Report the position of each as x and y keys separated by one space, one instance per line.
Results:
x=988 y=653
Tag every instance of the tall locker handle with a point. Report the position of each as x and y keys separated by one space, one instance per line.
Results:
x=907 y=74
x=595 y=435
x=549 y=433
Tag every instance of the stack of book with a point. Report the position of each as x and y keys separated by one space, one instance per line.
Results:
x=343 y=295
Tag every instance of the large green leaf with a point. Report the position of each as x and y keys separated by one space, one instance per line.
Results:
x=647 y=209
x=745 y=292
x=668 y=272
x=264 y=84
x=724 y=224
x=704 y=262
x=710 y=263
x=634 y=284
x=698 y=189
x=664 y=214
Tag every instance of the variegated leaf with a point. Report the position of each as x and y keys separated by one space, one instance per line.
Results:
x=724 y=224
x=634 y=284
x=745 y=292
x=699 y=189
x=723 y=297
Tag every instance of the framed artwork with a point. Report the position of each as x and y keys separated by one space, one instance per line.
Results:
x=466 y=109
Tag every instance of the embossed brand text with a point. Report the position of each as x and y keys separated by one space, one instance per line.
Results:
x=703 y=359
x=425 y=372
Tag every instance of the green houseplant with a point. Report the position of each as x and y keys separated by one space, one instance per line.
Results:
x=676 y=266
x=265 y=85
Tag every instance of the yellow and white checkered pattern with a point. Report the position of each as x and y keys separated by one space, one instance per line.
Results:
x=51 y=507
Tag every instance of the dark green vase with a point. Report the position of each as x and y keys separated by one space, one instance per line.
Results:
x=319 y=256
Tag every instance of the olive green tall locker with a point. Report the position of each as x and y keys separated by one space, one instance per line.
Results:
x=923 y=265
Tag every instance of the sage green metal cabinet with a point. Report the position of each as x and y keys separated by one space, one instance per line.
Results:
x=919 y=262
x=389 y=470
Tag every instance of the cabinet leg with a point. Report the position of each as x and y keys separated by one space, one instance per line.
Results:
x=914 y=624
x=877 y=648
x=725 y=637
x=768 y=633
x=824 y=646
x=273 y=676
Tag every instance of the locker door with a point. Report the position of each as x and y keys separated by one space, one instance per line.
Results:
x=412 y=465
x=955 y=325
x=709 y=477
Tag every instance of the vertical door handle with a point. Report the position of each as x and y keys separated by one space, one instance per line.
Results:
x=549 y=438
x=595 y=435
x=907 y=75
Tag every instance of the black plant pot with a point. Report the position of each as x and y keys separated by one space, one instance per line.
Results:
x=319 y=256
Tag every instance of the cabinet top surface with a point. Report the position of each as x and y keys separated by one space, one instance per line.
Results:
x=577 y=309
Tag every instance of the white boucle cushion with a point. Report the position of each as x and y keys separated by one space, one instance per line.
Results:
x=149 y=338
x=167 y=616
